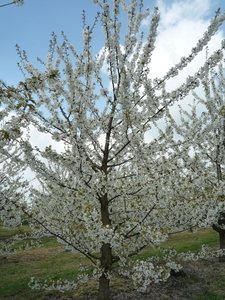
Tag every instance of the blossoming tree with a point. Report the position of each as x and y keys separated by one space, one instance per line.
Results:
x=109 y=193
x=205 y=126
x=13 y=186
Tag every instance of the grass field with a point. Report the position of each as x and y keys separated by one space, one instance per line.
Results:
x=51 y=261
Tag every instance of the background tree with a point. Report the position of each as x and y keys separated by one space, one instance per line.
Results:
x=13 y=186
x=111 y=185
x=205 y=126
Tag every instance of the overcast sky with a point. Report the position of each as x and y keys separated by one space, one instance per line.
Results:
x=183 y=22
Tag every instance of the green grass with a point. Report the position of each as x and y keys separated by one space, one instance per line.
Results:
x=7 y=233
x=207 y=295
x=51 y=261
x=184 y=242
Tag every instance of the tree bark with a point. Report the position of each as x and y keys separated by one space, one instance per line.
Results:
x=106 y=264
x=222 y=245
x=106 y=253
x=222 y=239
x=103 y=291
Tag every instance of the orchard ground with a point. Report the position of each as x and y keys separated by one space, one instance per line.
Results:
x=203 y=279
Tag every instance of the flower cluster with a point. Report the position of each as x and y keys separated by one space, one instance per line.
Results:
x=18 y=2
x=59 y=285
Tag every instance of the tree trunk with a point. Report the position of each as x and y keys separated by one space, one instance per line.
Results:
x=222 y=245
x=103 y=291
x=106 y=264
x=106 y=253
x=222 y=239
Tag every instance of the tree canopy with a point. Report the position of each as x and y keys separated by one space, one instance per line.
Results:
x=110 y=192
